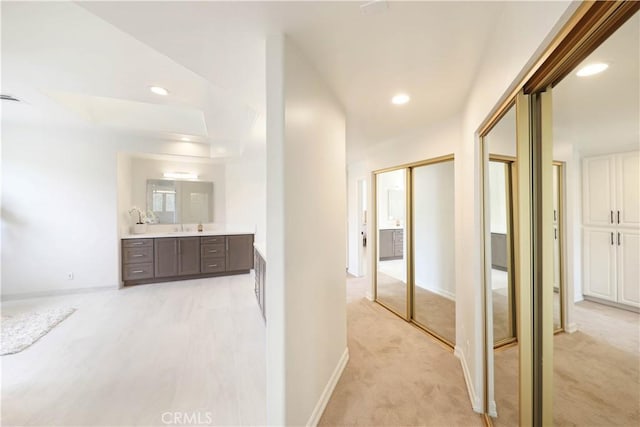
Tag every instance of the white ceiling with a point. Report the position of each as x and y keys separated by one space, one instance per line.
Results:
x=72 y=68
x=102 y=56
x=427 y=49
x=601 y=113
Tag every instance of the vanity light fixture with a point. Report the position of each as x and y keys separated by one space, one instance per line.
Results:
x=185 y=139
x=180 y=175
x=400 y=99
x=591 y=69
x=159 y=90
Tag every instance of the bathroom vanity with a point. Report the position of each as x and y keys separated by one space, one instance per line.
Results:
x=181 y=256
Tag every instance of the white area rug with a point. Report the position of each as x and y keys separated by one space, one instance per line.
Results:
x=22 y=330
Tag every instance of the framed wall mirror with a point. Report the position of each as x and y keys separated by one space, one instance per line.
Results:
x=180 y=202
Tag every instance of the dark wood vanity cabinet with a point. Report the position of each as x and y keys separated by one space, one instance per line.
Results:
x=391 y=243
x=149 y=260
x=166 y=257
x=240 y=252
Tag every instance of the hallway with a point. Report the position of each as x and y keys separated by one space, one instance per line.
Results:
x=397 y=374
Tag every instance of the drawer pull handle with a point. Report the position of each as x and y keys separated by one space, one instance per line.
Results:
x=213 y=251
x=137 y=244
x=137 y=271
x=212 y=265
x=137 y=255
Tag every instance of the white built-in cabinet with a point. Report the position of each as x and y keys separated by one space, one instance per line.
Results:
x=611 y=227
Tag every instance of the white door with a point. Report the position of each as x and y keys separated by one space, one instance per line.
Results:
x=598 y=194
x=628 y=270
x=599 y=263
x=628 y=190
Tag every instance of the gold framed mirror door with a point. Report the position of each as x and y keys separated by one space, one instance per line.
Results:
x=414 y=274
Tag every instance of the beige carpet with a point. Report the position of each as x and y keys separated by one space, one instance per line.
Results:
x=596 y=371
x=431 y=310
x=397 y=375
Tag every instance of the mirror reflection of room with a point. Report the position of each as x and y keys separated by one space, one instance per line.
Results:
x=391 y=219
x=434 y=292
x=427 y=298
x=596 y=125
x=499 y=147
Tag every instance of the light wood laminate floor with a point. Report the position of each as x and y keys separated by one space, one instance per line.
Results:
x=127 y=357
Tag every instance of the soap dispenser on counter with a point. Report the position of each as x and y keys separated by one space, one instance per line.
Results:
x=200 y=227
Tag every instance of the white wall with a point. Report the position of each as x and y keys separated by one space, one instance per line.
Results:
x=246 y=195
x=433 y=227
x=61 y=207
x=144 y=169
x=392 y=180
x=59 y=211
x=497 y=198
x=306 y=208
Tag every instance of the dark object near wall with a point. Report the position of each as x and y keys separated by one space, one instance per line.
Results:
x=177 y=258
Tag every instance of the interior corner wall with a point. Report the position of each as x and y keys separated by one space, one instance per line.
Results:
x=523 y=30
x=306 y=208
x=246 y=198
x=60 y=189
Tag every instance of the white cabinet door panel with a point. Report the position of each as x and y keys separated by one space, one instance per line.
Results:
x=597 y=181
x=599 y=263
x=628 y=271
x=628 y=193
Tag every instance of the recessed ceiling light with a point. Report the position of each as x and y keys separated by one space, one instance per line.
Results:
x=159 y=90
x=591 y=69
x=185 y=139
x=400 y=99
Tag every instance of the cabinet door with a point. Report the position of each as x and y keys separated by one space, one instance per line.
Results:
x=188 y=255
x=628 y=270
x=599 y=263
x=598 y=190
x=165 y=257
x=628 y=190
x=240 y=252
x=385 y=244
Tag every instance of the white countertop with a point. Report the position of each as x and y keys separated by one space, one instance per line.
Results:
x=152 y=235
x=261 y=248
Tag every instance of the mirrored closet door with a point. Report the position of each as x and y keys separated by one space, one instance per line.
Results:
x=432 y=213
x=391 y=224
x=415 y=274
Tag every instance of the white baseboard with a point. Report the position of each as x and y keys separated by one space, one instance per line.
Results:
x=571 y=328
x=493 y=411
x=439 y=291
x=473 y=396
x=369 y=296
x=314 y=419
x=44 y=294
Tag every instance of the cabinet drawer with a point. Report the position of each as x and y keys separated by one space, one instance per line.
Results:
x=137 y=255
x=212 y=251
x=212 y=265
x=210 y=240
x=137 y=243
x=137 y=271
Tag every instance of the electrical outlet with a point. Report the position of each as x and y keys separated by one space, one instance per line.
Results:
x=70 y=275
